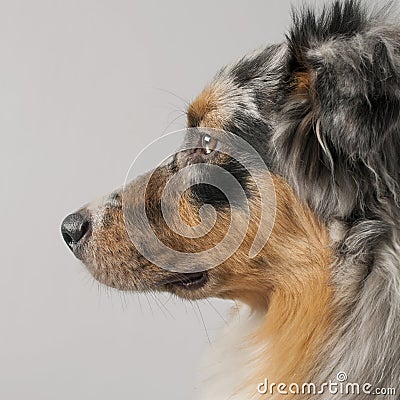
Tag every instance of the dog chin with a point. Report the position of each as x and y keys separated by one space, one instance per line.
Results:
x=190 y=286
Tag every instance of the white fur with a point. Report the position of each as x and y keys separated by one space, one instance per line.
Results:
x=229 y=359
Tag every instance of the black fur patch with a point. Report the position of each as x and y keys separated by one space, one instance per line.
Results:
x=212 y=194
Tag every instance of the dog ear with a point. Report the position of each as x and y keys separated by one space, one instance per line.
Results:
x=340 y=108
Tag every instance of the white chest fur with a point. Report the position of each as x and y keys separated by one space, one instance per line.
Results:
x=229 y=361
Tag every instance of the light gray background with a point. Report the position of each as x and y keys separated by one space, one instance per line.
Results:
x=84 y=86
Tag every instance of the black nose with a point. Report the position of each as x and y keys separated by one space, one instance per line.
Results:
x=74 y=227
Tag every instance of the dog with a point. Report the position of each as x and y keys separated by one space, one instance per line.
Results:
x=320 y=301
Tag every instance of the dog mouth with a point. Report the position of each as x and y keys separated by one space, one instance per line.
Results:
x=187 y=281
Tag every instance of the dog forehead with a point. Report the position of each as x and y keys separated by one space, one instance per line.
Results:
x=210 y=107
x=239 y=91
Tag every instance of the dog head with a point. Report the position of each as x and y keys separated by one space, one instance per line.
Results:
x=194 y=237
x=321 y=111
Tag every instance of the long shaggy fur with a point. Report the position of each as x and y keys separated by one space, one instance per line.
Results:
x=338 y=143
x=328 y=103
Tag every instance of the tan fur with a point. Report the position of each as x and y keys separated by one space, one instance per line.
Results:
x=289 y=284
x=293 y=289
x=302 y=83
x=300 y=310
x=206 y=109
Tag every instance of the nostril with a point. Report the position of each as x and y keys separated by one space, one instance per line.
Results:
x=74 y=227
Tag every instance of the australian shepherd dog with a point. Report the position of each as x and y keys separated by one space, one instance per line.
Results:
x=319 y=296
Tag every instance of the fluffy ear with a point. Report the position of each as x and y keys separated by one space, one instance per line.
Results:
x=339 y=131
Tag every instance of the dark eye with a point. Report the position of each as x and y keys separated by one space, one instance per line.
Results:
x=208 y=143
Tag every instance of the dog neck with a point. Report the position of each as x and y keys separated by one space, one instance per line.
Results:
x=281 y=331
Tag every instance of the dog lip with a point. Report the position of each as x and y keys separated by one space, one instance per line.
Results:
x=189 y=281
